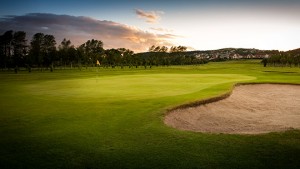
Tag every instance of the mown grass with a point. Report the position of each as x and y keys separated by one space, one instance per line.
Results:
x=113 y=118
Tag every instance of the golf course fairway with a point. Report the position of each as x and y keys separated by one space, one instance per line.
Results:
x=113 y=118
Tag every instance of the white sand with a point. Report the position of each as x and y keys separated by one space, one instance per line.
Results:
x=250 y=109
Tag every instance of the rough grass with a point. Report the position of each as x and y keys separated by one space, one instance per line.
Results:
x=113 y=118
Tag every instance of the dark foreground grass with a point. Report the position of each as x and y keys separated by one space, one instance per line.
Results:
x=114 y=119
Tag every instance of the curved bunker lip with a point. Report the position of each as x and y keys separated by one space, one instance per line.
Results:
x=248 y=109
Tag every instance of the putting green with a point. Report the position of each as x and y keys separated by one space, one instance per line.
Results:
x=130 y=87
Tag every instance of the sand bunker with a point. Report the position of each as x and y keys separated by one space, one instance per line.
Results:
x=250 y=109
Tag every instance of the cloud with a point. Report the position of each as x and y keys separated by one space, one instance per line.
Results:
x=150 y=17
x=79 y=29
x=161 y=30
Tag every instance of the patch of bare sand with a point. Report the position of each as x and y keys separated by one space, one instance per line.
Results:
x=250 y=109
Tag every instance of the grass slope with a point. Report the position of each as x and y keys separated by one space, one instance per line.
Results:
x=113 y=118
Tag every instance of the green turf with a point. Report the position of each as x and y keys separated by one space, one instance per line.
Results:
x=113 y=118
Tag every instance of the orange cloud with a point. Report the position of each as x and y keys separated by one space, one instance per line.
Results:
x=161 y=29
x=151 y=17
x=79 y=29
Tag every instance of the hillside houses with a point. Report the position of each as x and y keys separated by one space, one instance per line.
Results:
x=231 y=53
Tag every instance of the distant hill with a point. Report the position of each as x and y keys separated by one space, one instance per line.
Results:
x=232 y=53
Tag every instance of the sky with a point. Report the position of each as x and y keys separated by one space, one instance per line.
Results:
x=139 y=24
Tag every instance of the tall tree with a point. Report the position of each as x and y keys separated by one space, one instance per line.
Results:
x=49 y=50
x=163 y=49
x=152 y=48
x=92 y=51
x=64 y=52
x=42 y=50
x=159 y=55
x=126 y=57
x=113 y=57
x=19 y=48
x=178 y=49
x=36 y=50
x=6 y=48
x=2 y=56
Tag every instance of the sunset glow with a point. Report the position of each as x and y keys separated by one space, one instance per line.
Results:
x=266 y=24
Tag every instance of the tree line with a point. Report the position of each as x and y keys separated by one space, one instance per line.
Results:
x=43 y=52
x=176 y=55
x=283 y=59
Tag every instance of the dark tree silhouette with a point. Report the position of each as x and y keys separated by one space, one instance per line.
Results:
x=288 y=58
x=64 y=53
x=49 y=50
x=36 y=50
x=6 y=48
x=42 y=53
x=92 y=50
x=19 y=49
